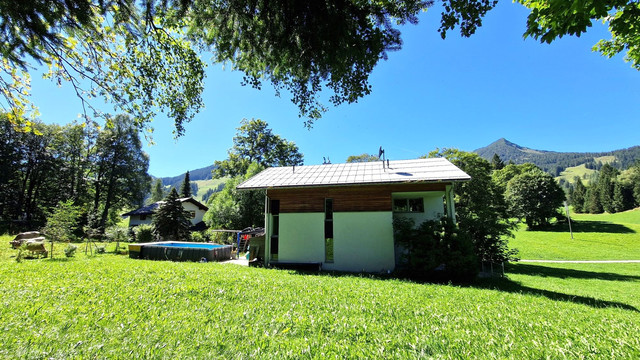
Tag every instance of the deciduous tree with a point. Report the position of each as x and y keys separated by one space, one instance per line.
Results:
x=362 y=158
x=234 y=209
x=534 y=196
x=255 y=142
x=480 y=207
x=120 y=172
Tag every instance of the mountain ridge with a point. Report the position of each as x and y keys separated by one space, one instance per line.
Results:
x=555 y=162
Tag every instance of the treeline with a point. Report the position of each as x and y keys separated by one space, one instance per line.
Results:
x=612 y=191
x=100 y=170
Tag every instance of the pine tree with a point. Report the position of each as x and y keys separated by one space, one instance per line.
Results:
x=157 y=193
x=185 y=188
x=605 y=184
x=496 y=162
x=592 y=202
x=171 y=222
x=578 y=196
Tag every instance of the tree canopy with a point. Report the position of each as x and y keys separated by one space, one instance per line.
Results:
x=362 y=158
x=255 y=142
x=480 y=207
x=147 y=56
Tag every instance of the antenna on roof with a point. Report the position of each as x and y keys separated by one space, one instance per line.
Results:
x=326 y=161
x=381 y=156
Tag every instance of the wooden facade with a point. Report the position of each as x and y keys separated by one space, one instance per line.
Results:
x=345 y=198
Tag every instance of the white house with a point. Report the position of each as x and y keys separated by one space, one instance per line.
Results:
x=341 y=215
x=144 y=214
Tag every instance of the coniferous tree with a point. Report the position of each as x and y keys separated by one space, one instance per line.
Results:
x=606 y=179
x=592 y=203
x=171 y=221
x=577 y=198
x=157 y=193
x=185 y=188
x=496 y=162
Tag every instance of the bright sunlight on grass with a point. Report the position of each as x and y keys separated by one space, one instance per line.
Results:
x=110 y=306
x=595 y=237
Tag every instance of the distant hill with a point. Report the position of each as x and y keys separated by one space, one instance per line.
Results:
x=194 y=175
x=556 y=162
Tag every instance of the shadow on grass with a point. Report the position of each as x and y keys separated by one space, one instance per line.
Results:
x=587 y=227
x=504 y=284
x=544 y=271
x=507 y=285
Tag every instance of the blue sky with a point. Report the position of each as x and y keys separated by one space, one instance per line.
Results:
x=459 y=92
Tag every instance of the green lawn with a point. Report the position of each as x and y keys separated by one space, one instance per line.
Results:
x=595 y=237
x=110 y=306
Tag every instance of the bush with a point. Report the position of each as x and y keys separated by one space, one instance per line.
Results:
x=218 y=237
x=197 y=237
x=144 y=233
x=70 y=250
x=436 y=250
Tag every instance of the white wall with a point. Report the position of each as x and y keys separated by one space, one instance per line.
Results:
x=134 y=220
x=192 y=207
x=363 y=241
x=301 y=237
x=433 y=205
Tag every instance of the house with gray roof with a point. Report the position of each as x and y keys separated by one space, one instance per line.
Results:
x=340 y=216
x=144 y=215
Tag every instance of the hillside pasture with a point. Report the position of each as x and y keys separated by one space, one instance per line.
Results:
x=205 y=185
x=595 y=237
x=580 y=171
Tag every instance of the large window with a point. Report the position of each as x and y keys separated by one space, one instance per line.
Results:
x=409 y=205
x=328 y=230
x=274 y=209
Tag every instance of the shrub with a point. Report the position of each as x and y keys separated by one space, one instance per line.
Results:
x=70 y=250
x=197 y=237
x=436 y=250
x=144 y=233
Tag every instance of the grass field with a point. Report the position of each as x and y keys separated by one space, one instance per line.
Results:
x=205 y=185
x=580 y=171
x=110 y=306
x=595 y=237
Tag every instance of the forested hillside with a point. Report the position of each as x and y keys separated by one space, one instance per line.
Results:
x=555 y=162
x=195 y=175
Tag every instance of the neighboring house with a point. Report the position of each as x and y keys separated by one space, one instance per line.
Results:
x=144 y=214
x=341 y=215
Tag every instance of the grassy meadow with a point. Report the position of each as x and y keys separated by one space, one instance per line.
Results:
x=595 y=237
x=110 y=306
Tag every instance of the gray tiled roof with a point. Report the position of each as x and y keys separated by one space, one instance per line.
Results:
x=398 y=171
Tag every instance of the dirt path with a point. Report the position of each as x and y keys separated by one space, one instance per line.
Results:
x=583 y=261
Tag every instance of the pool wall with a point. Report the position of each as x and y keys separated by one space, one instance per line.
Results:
x=161 y=251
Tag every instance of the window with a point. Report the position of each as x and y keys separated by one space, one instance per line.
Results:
x=192 y=214
x=408 y=205
x=328 y=230
x=274 y=209
x=143 y=217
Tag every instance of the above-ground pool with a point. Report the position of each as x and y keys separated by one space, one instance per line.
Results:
x=180 y=251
